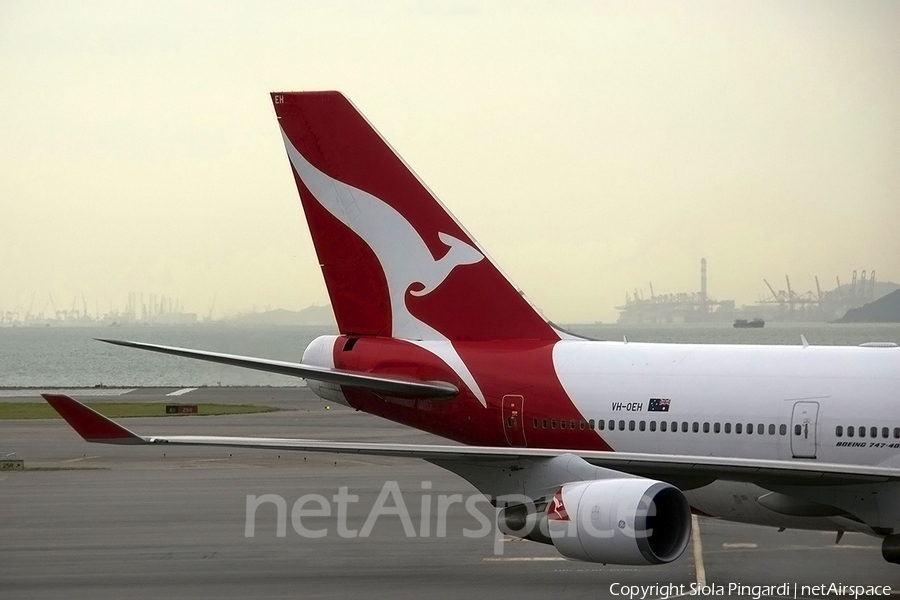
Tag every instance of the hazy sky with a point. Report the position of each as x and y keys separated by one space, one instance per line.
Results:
x=590 y=147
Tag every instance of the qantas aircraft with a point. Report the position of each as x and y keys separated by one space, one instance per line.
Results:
x=609 y=445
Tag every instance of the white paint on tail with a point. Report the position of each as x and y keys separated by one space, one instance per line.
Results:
x=402 y=253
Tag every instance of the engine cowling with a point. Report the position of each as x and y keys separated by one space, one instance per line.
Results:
x=320 y=353
x=890 y=549
x=623 y=521
x=620 y=521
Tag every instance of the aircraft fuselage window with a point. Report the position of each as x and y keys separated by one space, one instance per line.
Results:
x=630 y=425
x=772 y=429
x=663 y=425
x=738 y=428
x=782 y=430
x=860 y=431
x=652 y=425
x=717 y=428
x=695 y=427
x=727 y=427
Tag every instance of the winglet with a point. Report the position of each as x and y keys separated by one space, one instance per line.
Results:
x=90 y=424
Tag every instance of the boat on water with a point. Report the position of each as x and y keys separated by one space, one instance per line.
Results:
x=752 y=324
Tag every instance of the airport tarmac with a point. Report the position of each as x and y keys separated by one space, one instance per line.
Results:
x=99 y=521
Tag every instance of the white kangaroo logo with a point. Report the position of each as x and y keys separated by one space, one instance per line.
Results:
x=460 y=253
x=403 y=254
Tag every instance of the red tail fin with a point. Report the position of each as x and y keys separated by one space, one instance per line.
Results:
x=395 y=262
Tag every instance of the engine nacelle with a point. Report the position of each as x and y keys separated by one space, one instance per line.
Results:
x=620 y=521
x=320 y=353
x=890 y=548
x=614 y=521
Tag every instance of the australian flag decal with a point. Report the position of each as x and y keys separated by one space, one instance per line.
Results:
x=659 y=405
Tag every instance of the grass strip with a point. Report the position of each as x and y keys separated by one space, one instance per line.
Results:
x=113 y=410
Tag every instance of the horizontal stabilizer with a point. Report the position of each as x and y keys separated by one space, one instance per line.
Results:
x=391 y=385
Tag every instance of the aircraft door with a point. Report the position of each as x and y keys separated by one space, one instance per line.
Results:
x=512 y=412
x=803 y=429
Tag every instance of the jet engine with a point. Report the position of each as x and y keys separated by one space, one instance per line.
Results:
x=890 y=548
x=615 y=521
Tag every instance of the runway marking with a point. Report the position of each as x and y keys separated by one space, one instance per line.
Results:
x=181 y=392
x=70 y=460
x=796 y=548
x=81 y=392
x=740 y=545
x=698 y=552
x=523 y=559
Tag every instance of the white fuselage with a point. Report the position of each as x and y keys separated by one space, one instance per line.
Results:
x=802 y=402
x=793 y=403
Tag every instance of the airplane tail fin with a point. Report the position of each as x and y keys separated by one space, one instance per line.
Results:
x=396 y=262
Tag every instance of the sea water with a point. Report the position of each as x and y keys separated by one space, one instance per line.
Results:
x=52 y=357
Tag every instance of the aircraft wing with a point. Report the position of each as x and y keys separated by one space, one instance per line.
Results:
x=392 y=385
x=94 y=427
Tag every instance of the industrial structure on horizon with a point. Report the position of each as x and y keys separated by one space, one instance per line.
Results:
x=659 y=309
x=781 y=305
x=154 y=310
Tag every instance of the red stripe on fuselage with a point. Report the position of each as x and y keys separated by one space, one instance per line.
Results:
x=500 y=368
